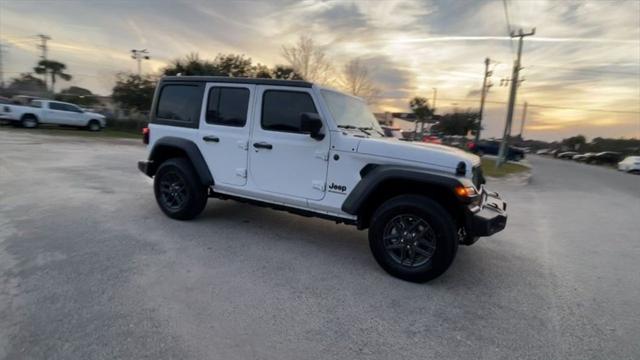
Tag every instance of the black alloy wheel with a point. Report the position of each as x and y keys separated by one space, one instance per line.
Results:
x=173 y=190
x=178 y=189
x=409 y=240
x=412 y=237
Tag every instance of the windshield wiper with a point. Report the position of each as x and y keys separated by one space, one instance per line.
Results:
x=354 y=128
x=369 y=128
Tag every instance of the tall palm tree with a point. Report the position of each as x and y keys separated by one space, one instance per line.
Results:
x=55 y=69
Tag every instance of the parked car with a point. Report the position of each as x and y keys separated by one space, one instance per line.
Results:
x=583 y=157
x=308 y=150
x=51 y=112
x=566 y=155
x=630 y=164
x=393 y=132
x=492 y=147
x=605 y=157
x=431 y=139
x=542 y=152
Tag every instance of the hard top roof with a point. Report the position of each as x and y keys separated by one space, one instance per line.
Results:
x=237 y=80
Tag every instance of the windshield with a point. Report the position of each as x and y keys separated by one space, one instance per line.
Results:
x=350 y=112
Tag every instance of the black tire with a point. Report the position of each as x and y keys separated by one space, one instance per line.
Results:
x=178 y=190
x=94 y=125
x=435 y=253
x=29 y=121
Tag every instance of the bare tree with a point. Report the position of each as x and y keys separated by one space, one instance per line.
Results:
x=308 y=60
x=357 y=80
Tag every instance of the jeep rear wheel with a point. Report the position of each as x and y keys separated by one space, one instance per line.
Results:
x=413 y=238
x=178 y=190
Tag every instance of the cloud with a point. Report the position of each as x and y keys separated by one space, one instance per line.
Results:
x=584 y=55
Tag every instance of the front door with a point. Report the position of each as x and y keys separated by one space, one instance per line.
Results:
x=224 y=131
x=282 y=159
x=65 y=114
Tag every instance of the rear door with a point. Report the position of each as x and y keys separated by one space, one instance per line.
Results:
x=224 y=131
x=282 y=159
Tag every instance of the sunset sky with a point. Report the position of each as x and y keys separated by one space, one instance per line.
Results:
x=582 y=67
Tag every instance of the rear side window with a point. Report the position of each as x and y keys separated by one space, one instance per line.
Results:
x=228 y=106
x=281 y=110
x=179 y=103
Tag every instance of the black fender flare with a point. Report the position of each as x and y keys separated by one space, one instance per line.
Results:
x=382 y=173
x=189 y=148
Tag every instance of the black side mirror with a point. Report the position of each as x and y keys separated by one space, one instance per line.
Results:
x=310 y=123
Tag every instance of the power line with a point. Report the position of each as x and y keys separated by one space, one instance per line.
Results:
x=587 y=70
x=506 y=16
x=546 y=106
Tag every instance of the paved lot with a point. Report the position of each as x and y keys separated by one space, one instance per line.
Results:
x=91 y=269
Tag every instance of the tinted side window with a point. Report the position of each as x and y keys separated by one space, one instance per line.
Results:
x=57 y=106
x=281 y=110
x=179 y=103
x=72 y=108
x=228 y=106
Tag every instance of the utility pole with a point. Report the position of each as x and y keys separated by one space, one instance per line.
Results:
x=524 y=116
x=512 y=96
x=2 y=47
x=483 y=95
x=138 y=56
x=433 y=104
x=43 y=46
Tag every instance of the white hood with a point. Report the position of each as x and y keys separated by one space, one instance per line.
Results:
x=444 y=157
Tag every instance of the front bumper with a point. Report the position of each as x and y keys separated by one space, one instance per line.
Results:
x=488 y=217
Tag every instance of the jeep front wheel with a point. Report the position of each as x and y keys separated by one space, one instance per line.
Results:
x=178 y=190
x=413 y=238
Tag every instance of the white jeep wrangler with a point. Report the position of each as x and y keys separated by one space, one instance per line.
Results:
x=299 y=147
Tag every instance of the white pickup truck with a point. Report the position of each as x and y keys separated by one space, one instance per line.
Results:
x=51 y=112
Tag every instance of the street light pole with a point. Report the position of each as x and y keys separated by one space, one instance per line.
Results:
x=138 y=56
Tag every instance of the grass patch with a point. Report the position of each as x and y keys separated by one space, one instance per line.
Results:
x=69 y=131
x=489 y=168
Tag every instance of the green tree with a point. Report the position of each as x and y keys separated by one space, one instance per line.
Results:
x=458 y=123
x=77 y=95
x=134 y=92
x=27 y=83
x=55 y=69
x=285 y=72
x=575 y=142
x=233 y=65
x=222 y=65
x=420 y=107
x=262 y=72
